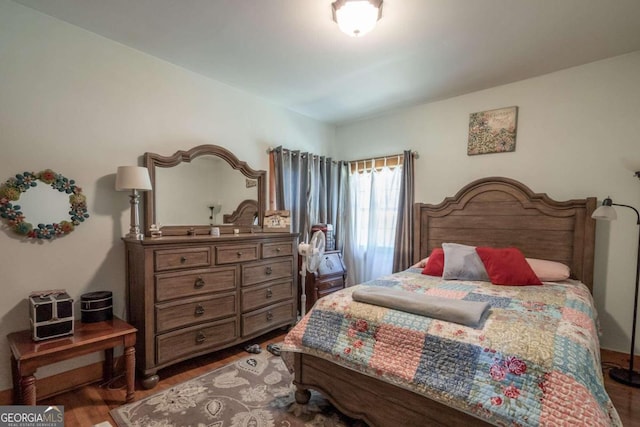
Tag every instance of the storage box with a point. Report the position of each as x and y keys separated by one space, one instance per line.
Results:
x=96 y=306
x=51 y=314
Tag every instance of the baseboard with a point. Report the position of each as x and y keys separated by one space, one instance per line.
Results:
x=60 y=383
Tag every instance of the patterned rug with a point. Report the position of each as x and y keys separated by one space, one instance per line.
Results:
x=255 y=391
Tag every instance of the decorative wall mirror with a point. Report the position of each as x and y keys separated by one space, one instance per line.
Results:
x=203 y=187
x=42 y=205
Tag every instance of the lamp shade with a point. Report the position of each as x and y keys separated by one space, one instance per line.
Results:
x=607 y=213
x=133 y=178
x=631 y=163
x=356 y=17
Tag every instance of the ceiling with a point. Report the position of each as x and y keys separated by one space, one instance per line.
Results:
x=292 y=54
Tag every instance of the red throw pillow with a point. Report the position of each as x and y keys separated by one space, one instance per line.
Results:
x=507 y=266
x=435 y=263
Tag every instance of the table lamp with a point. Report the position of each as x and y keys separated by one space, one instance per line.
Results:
x=134 y=178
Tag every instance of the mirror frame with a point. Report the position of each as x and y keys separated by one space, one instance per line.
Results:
x=154 y=160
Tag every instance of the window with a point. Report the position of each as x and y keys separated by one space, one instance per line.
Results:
x=373 y=206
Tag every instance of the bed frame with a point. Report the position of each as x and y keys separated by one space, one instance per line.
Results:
x=491 y=211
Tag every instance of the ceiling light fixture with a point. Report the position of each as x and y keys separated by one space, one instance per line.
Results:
x=356 y=17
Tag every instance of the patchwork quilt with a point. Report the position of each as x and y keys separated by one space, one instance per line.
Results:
x=533 y=360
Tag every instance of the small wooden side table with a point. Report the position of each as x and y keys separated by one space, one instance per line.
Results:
x=28 y=355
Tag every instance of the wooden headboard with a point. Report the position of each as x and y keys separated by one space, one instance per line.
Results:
x=502 y=212
x=245 y=214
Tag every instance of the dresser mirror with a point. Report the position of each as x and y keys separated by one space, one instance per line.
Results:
x=203 y=187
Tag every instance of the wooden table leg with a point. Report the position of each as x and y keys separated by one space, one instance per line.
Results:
x=130 y=371
x=15 y=372
x=28 y=386
x=108 y=364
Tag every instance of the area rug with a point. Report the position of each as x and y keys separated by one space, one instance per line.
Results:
x=255 y=391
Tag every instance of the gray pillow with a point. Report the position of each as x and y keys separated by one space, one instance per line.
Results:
x=462 y=262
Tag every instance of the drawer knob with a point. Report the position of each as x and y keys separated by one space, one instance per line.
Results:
x=278 y=250
x=239 y=253
x=268 y=270
x=199 y=310
x=199 y=283
x=269 y=315
x=183 y=259
x=269 y=293
x=200 y=337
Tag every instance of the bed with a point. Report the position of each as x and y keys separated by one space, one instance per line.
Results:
x=399 y=371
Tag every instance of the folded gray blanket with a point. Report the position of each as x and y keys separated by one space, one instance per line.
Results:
x=467 y=313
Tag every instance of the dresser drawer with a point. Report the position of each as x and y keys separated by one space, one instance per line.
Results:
x=275 y=249
x=261 y=295
x=236 y=253
x=196 y=282
x=325 y=288
x=268 y=318
x=331 y=263
x=263 y=271
x=172 y=259
x=194 y=310
x=329 y=285
x=187 y=342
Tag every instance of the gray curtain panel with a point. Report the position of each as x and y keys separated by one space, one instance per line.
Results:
x=313 y=188
x=403 y=252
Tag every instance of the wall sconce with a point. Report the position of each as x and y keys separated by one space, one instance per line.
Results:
x=608 y=213
x=356 y=17
x=134 y=178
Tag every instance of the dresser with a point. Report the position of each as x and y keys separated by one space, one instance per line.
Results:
x=192 y=295
x=330 y=277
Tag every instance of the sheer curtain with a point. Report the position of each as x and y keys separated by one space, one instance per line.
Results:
x=372 y=202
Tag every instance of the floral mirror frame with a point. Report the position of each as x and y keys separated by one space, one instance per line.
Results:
x=11 y=213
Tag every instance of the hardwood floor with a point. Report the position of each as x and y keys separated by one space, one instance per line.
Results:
x=626 y=399
x=90 y=405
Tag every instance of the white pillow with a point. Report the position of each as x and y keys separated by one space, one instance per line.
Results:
x=549 y=271
x=421 y=263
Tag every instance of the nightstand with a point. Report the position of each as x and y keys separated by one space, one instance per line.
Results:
x=330 y=277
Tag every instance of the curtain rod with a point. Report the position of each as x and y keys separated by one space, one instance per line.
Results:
x=415 y=155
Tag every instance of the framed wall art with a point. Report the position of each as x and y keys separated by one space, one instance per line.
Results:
x=492 y=131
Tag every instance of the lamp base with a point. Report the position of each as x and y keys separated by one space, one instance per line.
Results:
x=625 y=376
x=134 y=235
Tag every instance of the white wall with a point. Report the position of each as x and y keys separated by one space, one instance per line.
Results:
x=576 y=130
x=82 y=105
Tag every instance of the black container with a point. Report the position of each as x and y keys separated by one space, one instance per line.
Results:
x=96 y=306
x=51 y=314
